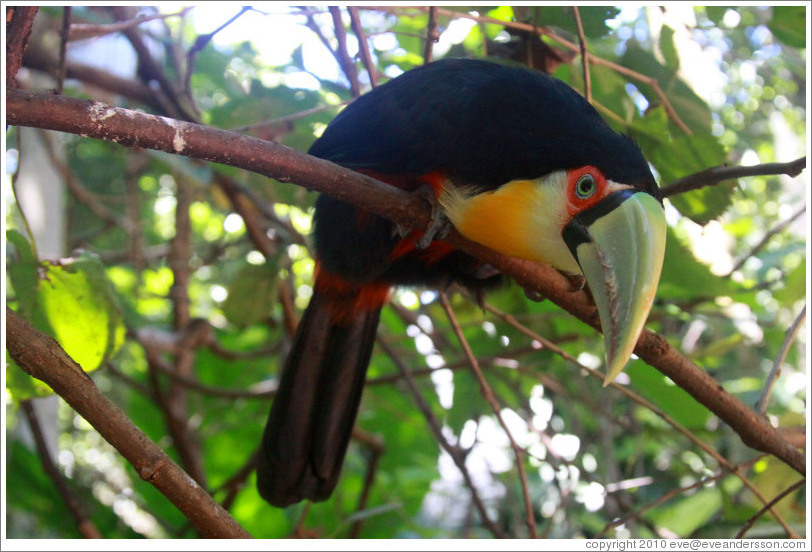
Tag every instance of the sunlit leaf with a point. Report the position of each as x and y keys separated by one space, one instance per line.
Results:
x=82 y=310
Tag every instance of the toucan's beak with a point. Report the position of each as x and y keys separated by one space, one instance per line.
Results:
x=619 y=244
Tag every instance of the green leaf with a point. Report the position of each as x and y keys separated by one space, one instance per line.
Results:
x=684 y=277
x=82 y=310
x=788 y=25
x=679 y=405
x=593 y=18
x=686 y=155
x=668 y=48
x=21 y=266
x=252 y=294
x=794 y=285
x=685 y=515
x=716 y=13
x=692 y=109
x=21 y=269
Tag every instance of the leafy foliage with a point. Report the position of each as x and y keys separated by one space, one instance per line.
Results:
x=593 y=455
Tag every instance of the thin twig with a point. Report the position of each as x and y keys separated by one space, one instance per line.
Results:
x=342 y=54
x=177 y=408
x=82 y=31
x=374 y=445
x=749 y=523
x=764 y=399
x=85 y=525
x=255 y=128
x=236 y=483
x=150 y=70
x=665 y=497
x=487 y=393
x=766 y=239
x=200 y=43
x=432 y=35
x=454 y=451
x=646 y=404
x=363 y=46
x=720 y=173
x=584 y=54
x=80 y=193
x=63 y=48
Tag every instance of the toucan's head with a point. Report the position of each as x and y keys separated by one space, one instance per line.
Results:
x=579 y=221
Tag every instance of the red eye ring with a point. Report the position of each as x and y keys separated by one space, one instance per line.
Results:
x=586 y=186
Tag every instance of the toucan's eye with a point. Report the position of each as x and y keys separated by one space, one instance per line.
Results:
x=586 y=186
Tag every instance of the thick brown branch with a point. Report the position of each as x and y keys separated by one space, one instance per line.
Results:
x=42 y=357
x=19 y=20
x=137 y=129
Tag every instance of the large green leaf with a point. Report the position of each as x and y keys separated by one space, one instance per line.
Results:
x=81 y=308
x=685 y=155
x=684 y=515
x=672 y=399
x=692 y=109
x=788 y=25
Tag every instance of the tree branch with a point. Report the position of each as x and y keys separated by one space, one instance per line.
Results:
x=715 y=175
x=85 y=525
x=584 y=54
x=487 y=394
x=19 y=21
x=42 y=357
x=363 y=47
x=131 y=128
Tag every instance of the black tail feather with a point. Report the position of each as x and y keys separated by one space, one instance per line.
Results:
x=314 y=410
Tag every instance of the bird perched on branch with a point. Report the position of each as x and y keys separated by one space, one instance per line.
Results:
x=518 y=161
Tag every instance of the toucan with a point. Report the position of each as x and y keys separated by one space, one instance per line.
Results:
x=516 y=160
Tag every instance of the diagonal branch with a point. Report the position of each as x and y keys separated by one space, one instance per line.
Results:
x=131 y=128
x=84 y=524
x=42 y=357
x=576 y=12
x=456 y=452
x=488 y=395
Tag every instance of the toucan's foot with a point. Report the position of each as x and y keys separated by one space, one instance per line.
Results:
x=439 y=225
x=484 y=271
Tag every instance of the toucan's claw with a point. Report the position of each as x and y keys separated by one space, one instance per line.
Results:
x=534 y=295
x=439 y=225
x=577 y=281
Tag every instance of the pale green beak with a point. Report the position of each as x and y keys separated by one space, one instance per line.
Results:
x=620 y=244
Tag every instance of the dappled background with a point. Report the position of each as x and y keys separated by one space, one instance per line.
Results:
x=181 y=281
